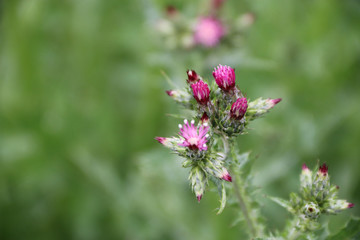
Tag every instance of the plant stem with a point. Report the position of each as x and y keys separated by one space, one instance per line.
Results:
x=237 y=185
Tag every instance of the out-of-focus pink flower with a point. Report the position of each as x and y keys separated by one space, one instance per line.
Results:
x=208 y=31
x=323 y=169
x=195 y=138
x=238 y=109
x=224 y=77
x=201 y=92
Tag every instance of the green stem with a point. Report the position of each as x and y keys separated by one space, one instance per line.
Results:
x=238 y=188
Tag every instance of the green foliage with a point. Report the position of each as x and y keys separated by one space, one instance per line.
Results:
x=82 y=97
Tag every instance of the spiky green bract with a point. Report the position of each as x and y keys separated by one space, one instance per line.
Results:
x=198 y=181
x=259 y=107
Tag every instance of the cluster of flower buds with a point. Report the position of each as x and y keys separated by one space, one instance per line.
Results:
x=222 y=111
x=318 y=196
x=206 y=30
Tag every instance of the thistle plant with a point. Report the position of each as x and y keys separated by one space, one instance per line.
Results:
x=207 y=143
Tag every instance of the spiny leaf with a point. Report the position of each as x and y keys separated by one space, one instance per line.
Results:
x=223 y=199
x=284 y=203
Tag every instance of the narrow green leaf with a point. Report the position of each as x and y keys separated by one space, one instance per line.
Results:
x=349 y=232
x=284 y=203
x=223 y=199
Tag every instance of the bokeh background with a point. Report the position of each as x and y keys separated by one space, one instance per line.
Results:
x=82 y=98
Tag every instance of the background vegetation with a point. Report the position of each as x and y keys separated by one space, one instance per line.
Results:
x=82 y=97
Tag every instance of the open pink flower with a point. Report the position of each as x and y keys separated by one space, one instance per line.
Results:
x=195 y=138
x=208 y=31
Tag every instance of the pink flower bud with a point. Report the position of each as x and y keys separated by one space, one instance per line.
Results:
x=160 y=139
x=208 y=31
x=170 y=93
x=304 y=167
x=238 y=109
x=276 y=101
x=199 y=197
x=201 y=92
x=204 y=118
x=224 y=77
x=323 y=169
x=351 y=205
x=192 y=76
x=226 y=176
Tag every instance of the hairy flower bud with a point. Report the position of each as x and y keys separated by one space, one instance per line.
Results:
x=198 y=181
x=334 y=206
x=179 y=96
x=215 y=168
x=201 y=92
x=224 y=77
x=192 y=77
x=238 y=108
x=321 y=184
x=305 y=181
x=260 y=106
x=311 y=210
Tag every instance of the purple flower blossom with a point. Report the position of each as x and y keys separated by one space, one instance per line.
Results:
x=201 y=92
x=238 y=109
x=208 y=31
x=195 y=138
x=224 y=77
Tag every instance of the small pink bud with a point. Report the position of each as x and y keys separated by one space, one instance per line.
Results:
x=323 y=169
x=201 y=92
x=276 y=101
x=204 y=118
x=351 y=205
x=224 y=77
x=304 y=167
x=238 y=108
x=192 y=76
x=227 y=177
x=199 y=197
x=160 y=139
x=170 y=93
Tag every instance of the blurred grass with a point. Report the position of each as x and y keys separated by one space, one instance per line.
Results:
x=82 y=97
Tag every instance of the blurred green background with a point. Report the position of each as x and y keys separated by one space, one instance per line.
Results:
x=82 y=98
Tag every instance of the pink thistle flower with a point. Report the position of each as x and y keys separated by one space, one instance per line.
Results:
x=238 y=108
x=323 y=169
x=208 y=31
x=201 y=92
x=195 y=138
x=192 y=76
x=351 y=205
x=224 y=77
